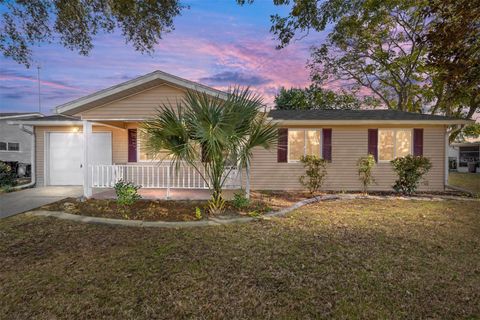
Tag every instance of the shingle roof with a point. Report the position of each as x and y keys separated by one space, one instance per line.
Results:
x=353 y=115
x=55 y=117
x=19 y=114
x=8 y=114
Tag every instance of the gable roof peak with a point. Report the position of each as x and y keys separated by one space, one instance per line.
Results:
x=133 y=86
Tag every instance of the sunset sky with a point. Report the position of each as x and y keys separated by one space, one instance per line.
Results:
x=217 y=43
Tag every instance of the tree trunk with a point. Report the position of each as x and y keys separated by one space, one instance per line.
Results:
x=247 y=181
x=216 y=204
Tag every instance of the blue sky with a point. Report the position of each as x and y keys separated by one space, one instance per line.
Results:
x=218 y=43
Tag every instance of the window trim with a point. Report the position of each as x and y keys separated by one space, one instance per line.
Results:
x=7 y=143
x=139 y=159
x=138 y=153
x=8 y=147
x=459 y=155
x=394 y=142
x=304 y=144
x=139 y=148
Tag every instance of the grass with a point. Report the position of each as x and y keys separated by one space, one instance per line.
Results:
x=358 y=259
x=468 y=181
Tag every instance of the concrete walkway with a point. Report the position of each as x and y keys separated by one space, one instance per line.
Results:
x=28 y=199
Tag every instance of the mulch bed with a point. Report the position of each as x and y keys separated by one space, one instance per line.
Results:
x=261 y=202
x=174 y=210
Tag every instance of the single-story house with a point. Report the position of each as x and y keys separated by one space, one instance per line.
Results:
x=93 y=141
x=16 y=142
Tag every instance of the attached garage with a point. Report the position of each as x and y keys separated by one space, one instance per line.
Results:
x=64 y=155
x=65 y=158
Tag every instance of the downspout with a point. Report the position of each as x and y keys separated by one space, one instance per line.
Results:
x=447 y=144
x=32 y=160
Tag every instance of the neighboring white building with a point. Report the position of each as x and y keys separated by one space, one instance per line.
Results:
x=16 y=141
x=465 y=152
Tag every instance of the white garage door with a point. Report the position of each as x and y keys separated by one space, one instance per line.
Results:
x=65 y=157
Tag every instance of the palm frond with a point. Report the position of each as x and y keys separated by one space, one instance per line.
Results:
x=227 y=131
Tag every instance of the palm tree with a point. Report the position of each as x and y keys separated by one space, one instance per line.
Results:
x=212 y=134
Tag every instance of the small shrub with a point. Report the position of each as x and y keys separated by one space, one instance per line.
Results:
x=315 y=173
x=198 y=213
x=7 y=175
x=127 y=193
x=365 y=167
x=240 y=200
x=254 y=214
x=410 y=170
x=6 y=189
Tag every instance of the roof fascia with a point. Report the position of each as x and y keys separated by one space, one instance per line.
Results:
x=47 y=123
x=364 y=122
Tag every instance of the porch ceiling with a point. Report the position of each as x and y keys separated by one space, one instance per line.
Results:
x=112 y=124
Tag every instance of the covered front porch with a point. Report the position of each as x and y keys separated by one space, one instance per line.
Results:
x=158 y=180
x=95 y=154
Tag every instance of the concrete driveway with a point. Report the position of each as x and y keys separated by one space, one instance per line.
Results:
x=28 y=199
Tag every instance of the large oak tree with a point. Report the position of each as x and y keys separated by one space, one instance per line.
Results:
x=315 y=98
x=420 y=55
x=74 y=23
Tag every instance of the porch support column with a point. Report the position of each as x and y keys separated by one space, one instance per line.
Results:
x=87 y=133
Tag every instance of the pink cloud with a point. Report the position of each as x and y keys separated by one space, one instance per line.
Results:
x=51 y=84
x=254 y=57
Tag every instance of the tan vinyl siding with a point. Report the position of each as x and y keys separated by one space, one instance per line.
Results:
x=119 y=146
x=348 y=144
x=138 y=106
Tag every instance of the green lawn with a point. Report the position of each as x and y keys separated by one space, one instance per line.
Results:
x=468 y=181
x=364 y=259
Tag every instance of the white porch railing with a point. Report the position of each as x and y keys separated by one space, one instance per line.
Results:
x=158 y=176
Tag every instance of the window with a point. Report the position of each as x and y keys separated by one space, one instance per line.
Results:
x=144 y=156
x=303 y=142
x=468 y=154
x=394 y=143
x=9 y=146
x=13 y=146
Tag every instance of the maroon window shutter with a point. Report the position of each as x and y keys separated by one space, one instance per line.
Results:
x=373 y=143
x=204 y=154
x=418 y=142
x=132 y=145
x=327 y=144
x=282 y=146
